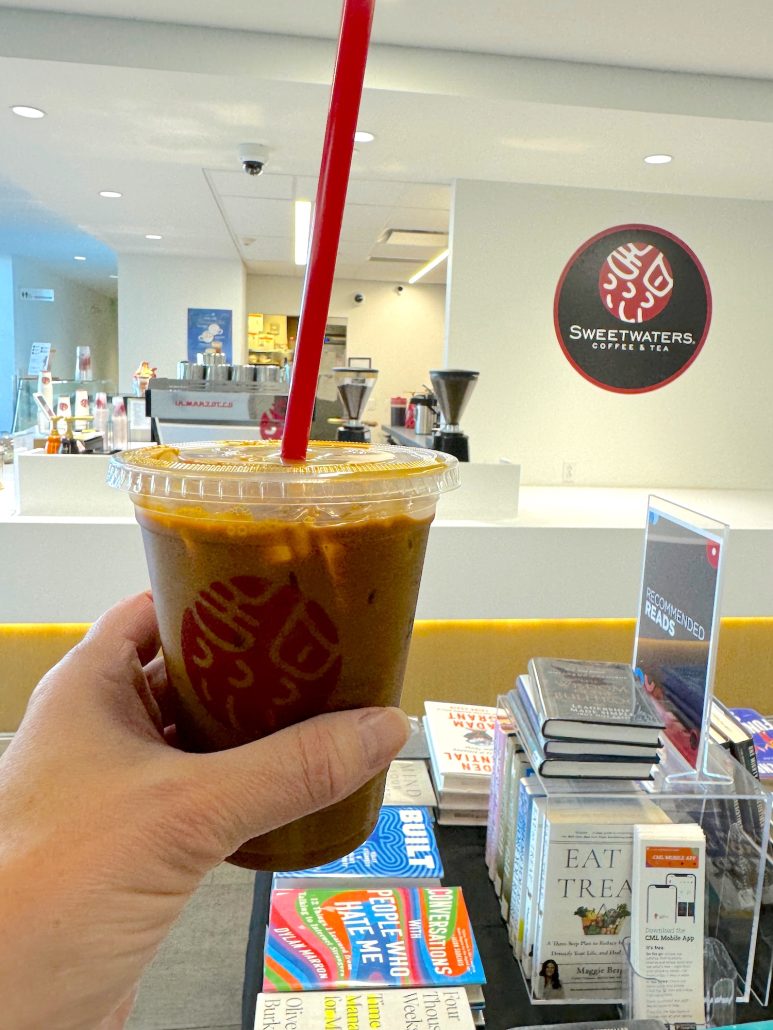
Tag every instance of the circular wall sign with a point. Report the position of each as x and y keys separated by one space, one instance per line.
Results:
x=632 y=308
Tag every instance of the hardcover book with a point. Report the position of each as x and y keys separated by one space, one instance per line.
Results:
x=583 y=767
x=503 y=729
x=408 y=783
x=450 y=817
x=401 y=850
x=760 y=729
x=429 y=1008
x=520 y=768
x=460 y=739
x=399 y=937
x=584 y=897
x=514 y=755
x=603 y=701
x=528 y=789
x=415 y=746
x=531 y=882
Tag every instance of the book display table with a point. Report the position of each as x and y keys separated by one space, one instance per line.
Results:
x=507 y=1004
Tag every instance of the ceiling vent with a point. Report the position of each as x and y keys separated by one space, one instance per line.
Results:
x=415 y=238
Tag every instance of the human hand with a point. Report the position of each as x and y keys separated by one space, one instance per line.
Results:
x=107 y=829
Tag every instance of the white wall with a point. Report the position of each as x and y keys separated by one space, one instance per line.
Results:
x=154 y=294
x=79 y=316
x=402 y=334
x=711 y=427
x=7 y=360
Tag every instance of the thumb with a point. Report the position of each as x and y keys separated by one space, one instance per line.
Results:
x=255 y=788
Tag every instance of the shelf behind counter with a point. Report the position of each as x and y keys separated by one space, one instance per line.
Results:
x=406 y=437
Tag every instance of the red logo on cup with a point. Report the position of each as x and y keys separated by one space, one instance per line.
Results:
x=254 y=649
x=636 y=282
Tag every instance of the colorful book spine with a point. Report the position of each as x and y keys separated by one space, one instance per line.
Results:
x=518 y=769
x=502 y=728
x=529 y=788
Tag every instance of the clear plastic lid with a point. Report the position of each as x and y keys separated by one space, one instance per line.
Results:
x=241 y=471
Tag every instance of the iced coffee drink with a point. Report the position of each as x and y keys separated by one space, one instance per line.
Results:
x=284 y=591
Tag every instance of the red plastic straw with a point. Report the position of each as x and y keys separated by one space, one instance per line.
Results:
x=356 y=20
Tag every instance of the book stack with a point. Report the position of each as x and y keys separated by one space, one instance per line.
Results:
x=401 y=852
x=460 y=739
x=586 y=720
x=412 y=938
x=437 y=1008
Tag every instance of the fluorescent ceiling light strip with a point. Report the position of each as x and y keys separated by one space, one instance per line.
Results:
x=428 y=267
x=302 y=230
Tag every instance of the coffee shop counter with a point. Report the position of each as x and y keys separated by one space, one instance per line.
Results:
x=572 y=552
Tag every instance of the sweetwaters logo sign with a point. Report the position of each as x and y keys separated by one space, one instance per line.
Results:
x=632 y=308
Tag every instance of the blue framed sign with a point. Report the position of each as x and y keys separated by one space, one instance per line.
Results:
x=210 y=329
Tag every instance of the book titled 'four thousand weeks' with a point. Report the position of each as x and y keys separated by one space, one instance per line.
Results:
x=402 y=936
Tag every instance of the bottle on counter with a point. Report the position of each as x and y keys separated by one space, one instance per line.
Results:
x=397 y=407
x=54 y=441
x=119 y=425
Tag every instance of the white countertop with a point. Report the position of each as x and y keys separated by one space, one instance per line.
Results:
x=572 y=552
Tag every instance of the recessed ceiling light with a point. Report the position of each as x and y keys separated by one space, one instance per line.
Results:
x=79 y=257
x=28 y=112
x=302 y=230
x=110 y=194
x=113 y=276
x=363 y=137
x=658 y=159
x=153 y=236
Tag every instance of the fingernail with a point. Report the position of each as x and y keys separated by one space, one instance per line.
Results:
x=383 y=732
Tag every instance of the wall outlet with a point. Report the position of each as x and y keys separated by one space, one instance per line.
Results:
x=570 y=472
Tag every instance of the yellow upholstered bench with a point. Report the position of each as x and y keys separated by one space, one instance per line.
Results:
x=469 y=661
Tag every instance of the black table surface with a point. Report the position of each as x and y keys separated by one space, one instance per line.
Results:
x=507 y=1002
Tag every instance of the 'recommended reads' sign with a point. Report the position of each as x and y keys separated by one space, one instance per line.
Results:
x=632 y=308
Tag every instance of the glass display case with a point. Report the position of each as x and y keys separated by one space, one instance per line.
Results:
x=26 y=412
x=718 y=798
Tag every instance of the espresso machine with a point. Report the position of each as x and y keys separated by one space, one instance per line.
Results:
x=354 y=382
x=452 y=387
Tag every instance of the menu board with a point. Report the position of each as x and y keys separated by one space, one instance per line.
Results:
x=678 y=620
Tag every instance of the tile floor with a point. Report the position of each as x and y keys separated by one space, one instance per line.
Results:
x=195 y=982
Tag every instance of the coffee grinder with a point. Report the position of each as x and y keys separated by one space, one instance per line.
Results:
x=354 y=382
x=452 y=387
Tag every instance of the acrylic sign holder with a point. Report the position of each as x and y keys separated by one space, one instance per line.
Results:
x=677 y=628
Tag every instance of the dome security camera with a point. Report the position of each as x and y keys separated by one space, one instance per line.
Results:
x=359 y=298
x=399 y=290
x=254 y=157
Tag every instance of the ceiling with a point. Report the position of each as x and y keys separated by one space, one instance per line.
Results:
x=150 y=98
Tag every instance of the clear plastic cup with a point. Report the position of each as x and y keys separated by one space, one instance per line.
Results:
x=284 y=590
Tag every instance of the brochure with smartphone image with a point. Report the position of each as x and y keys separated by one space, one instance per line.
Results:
x=667 y=891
